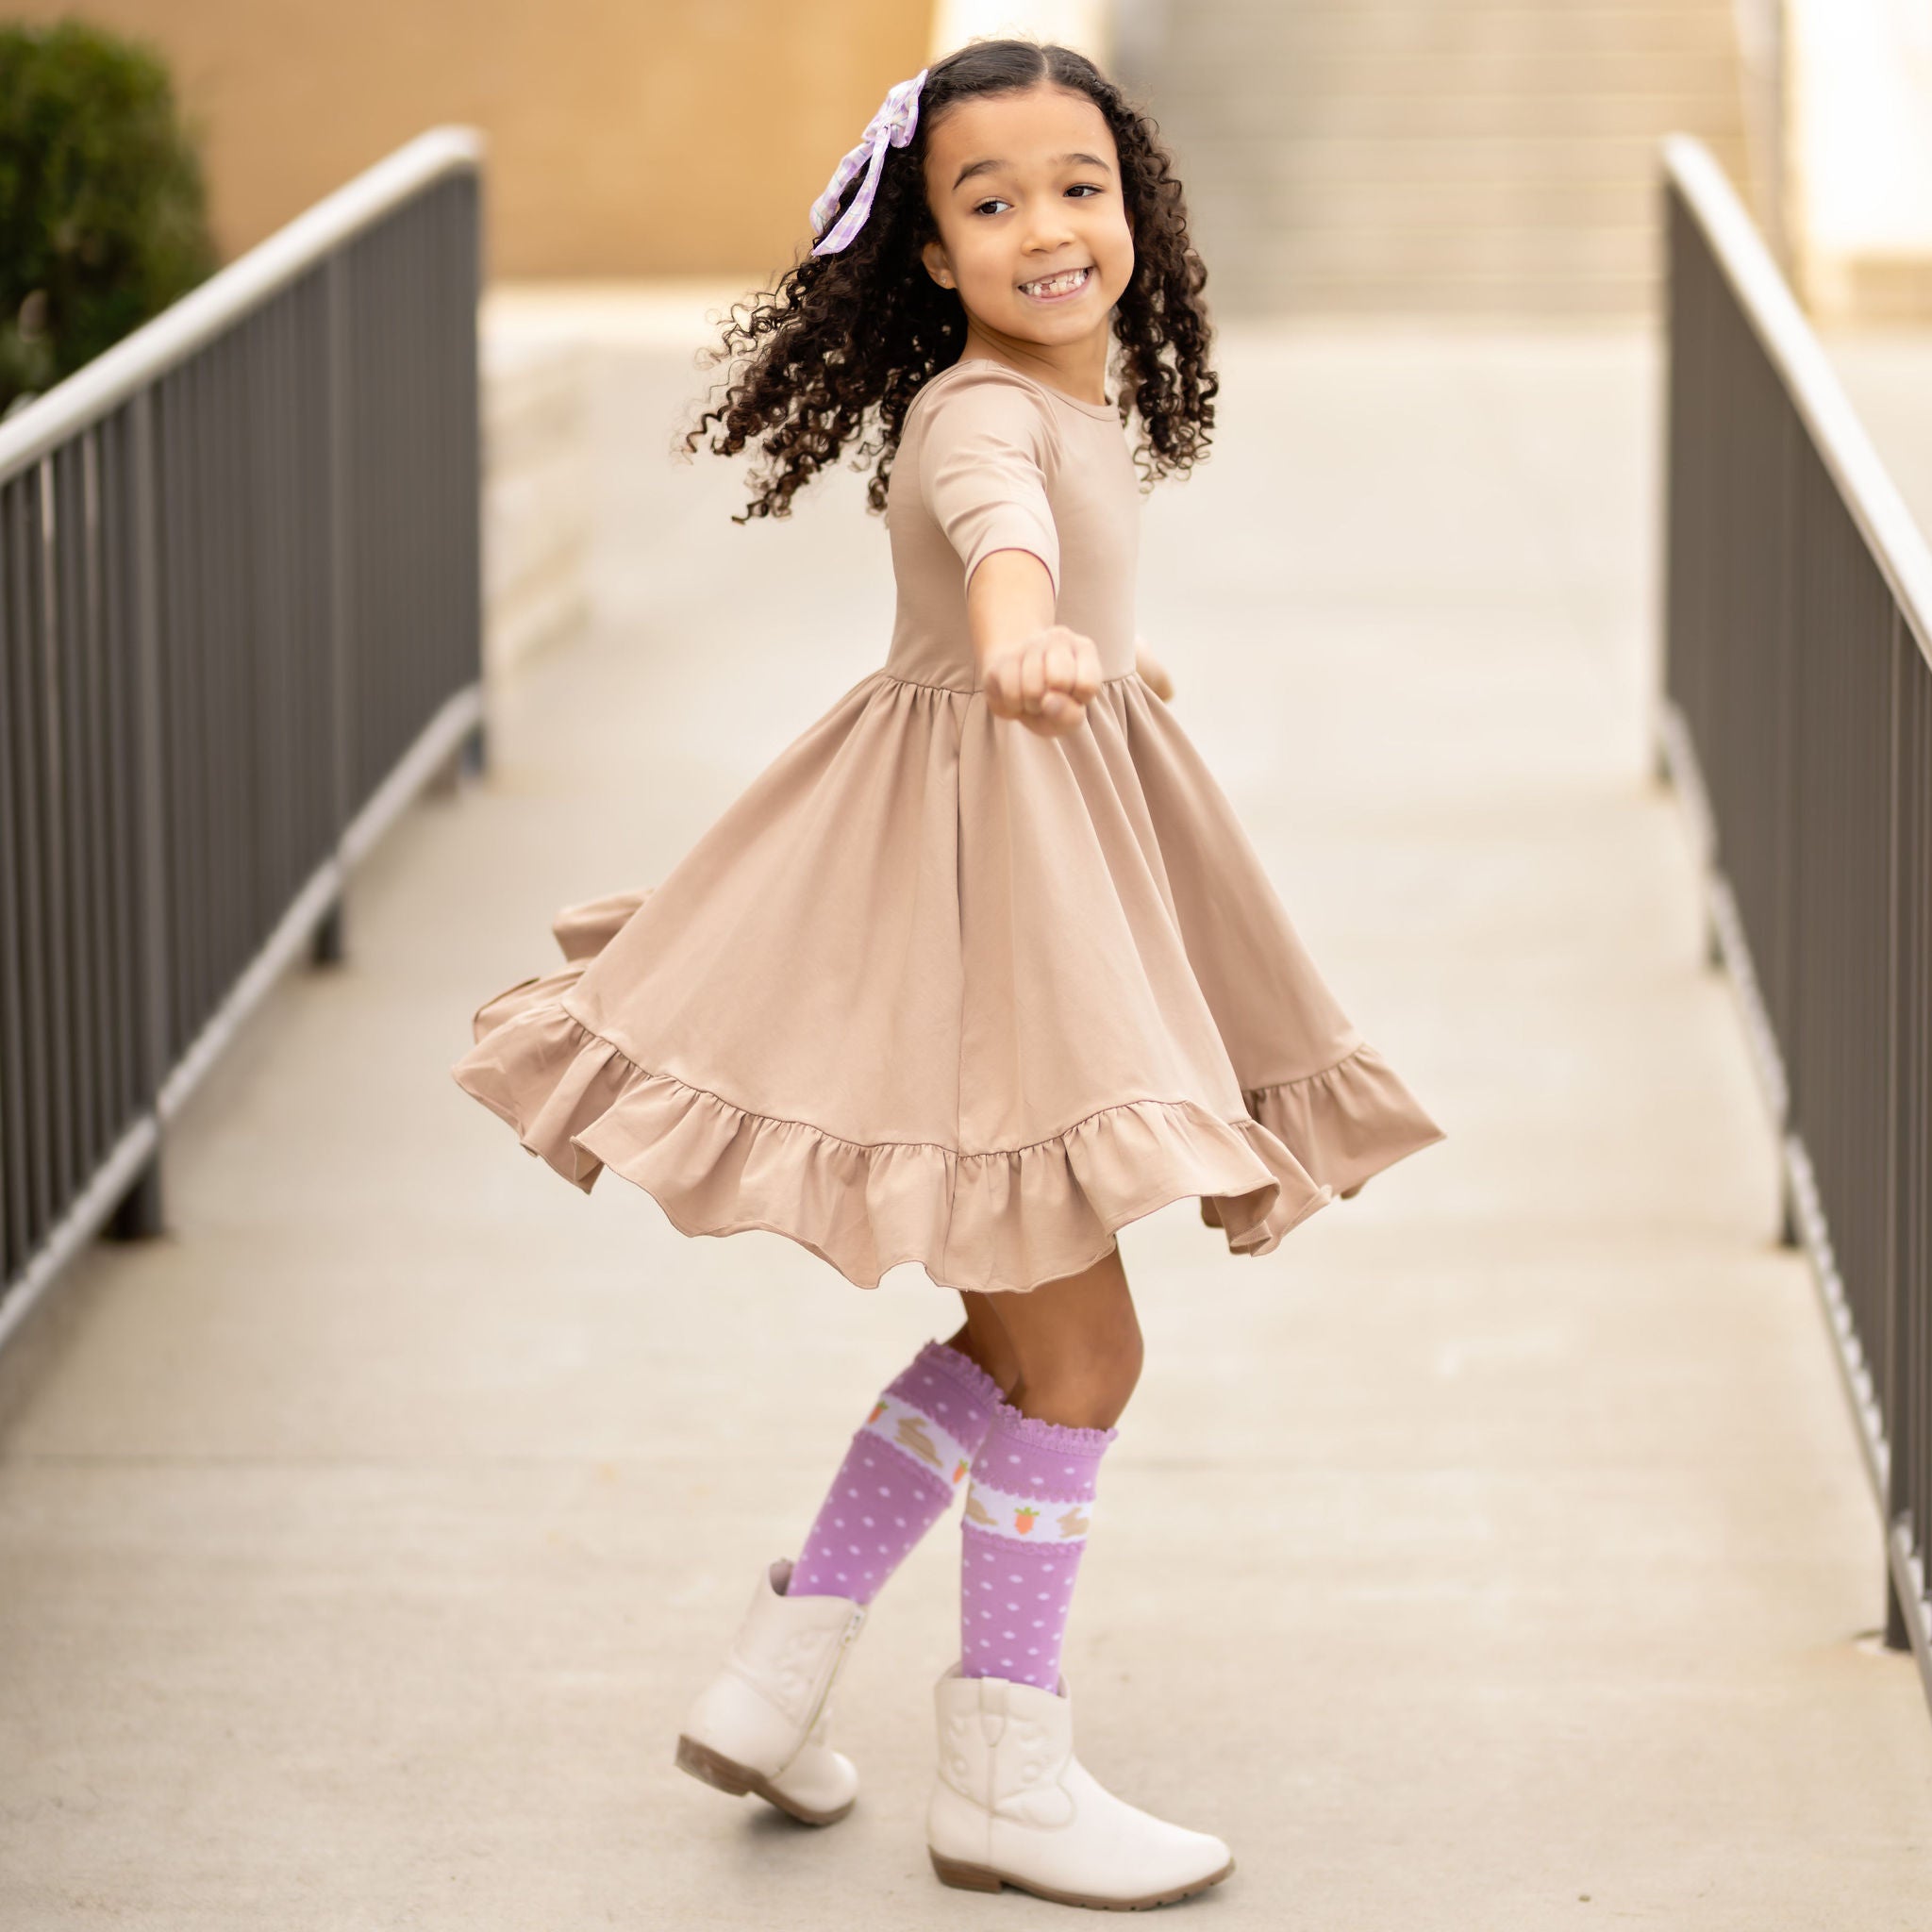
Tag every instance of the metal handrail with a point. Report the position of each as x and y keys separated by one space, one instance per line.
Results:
x=240 y=566
x=231 y=292
x=1795 y=721
x=1898 y=545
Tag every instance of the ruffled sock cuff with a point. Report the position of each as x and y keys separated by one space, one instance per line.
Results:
x=972 y=1380
x=1055 y=1437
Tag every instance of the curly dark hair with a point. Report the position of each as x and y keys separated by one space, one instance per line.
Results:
x=865 y=328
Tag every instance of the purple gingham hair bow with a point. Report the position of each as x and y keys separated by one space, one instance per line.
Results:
x=891 y=126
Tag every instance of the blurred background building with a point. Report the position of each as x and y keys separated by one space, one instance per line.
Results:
x=1480 y=157
x=1449 y=162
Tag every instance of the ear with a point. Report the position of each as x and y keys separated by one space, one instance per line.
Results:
x=936 y=264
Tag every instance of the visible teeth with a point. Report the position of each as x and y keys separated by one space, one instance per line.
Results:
x=1055 y=285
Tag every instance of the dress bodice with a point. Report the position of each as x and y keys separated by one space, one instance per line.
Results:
x=992 y=459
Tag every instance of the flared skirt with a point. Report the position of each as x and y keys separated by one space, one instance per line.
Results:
x=936 y=989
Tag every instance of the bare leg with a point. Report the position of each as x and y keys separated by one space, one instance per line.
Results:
x=1077 y=1345
x=982 y=1340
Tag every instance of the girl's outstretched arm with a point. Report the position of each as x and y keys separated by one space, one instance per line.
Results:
x=1033 y=669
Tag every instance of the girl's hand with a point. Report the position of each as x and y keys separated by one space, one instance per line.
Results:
x=1046 y=682
x=1152 y=671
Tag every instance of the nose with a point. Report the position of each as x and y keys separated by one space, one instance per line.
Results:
x=1048 y=228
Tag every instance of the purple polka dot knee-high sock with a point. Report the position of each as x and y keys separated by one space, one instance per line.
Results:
x=907 y=1460
x=1028 y=1507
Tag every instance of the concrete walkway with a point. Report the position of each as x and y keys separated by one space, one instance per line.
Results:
x=1494 y=1555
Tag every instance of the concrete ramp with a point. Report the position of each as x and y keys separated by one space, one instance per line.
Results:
x=1495 y=1555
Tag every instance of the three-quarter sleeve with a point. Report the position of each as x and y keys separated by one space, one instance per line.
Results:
x=989 y=447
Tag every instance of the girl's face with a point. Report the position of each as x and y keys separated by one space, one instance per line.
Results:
x=1023 y=188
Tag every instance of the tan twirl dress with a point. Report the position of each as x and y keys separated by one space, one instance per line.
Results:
x=936 y=989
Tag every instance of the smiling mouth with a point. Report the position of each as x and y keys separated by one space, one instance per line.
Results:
x=1051 y=288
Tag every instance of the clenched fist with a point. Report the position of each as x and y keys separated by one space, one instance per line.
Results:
x=1045 y=682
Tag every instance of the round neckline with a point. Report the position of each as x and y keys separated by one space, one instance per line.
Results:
x=1109 y=410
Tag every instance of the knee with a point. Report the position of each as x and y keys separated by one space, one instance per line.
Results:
x=1085 y=1388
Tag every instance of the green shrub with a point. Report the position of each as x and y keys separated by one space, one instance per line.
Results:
x=103 y=207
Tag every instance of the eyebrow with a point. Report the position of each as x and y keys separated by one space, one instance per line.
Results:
x=992 y=167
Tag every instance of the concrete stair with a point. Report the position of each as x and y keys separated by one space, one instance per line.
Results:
x=1434 y=157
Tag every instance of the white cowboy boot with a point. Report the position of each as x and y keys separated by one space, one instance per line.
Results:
x=763 y=1725
x=1013 y=1805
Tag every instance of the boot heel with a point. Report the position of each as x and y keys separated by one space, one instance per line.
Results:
x=709 y=1767
x=967 y=1877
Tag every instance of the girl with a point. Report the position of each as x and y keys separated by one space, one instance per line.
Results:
x=982 y=967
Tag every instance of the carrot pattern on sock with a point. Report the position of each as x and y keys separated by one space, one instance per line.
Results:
x=1029 y=1504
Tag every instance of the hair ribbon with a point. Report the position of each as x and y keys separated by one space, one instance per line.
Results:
x=891 y=126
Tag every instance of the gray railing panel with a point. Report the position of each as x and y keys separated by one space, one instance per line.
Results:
x=1797 y=713
x=240 y=622
x=34 y=1144
x=245 y=639
x=413 y=569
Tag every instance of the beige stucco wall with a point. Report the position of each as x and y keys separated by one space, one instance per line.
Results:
x=626 y=137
